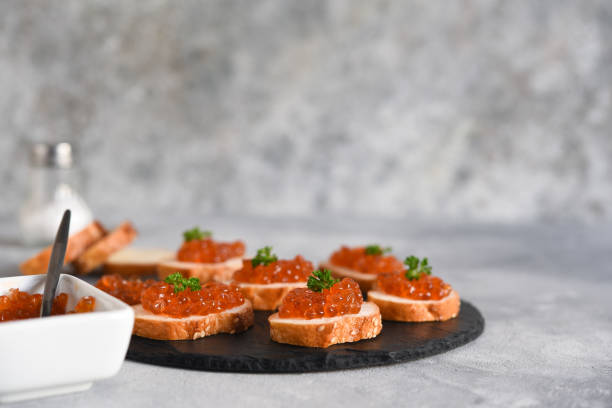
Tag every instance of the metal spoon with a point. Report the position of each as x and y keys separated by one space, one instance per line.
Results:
x=56 y=262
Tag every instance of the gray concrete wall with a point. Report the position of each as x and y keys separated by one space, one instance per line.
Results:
x=482 y=110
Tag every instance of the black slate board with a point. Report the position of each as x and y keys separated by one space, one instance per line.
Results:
x=253 y=351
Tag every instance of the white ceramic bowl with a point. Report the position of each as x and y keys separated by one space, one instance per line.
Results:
x=66 y=353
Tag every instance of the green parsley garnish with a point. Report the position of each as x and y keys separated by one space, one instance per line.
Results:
x=264 y=257
x=320 y=280
x=376 y=250
x=416 y=268
x=196 y=233
x=181 y=283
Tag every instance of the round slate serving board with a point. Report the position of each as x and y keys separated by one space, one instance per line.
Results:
x=253 y=351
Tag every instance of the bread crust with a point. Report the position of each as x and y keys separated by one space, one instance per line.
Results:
x=408 y=310
x=136 y=261
x=366 y=281
x=267 y=297
x=160 y=327
x=130 y=269
x=327 y=331
x=99 y=252
x=220 y=271
x=77 y=244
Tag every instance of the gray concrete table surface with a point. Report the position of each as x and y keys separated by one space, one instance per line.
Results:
x=545 y=292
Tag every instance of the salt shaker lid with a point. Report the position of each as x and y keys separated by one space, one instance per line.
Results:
x=53 y=155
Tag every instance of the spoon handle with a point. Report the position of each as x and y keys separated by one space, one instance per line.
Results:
x=55 y=265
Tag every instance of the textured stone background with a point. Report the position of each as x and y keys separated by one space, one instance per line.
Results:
x=482 y=110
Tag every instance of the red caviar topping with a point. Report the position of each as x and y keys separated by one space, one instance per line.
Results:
x=208 y=251
x=357 y=259
x=17 y=305
x=342 y=298
x=127 y=290
x=214 y=297
x=297 y=269
x=426 y=287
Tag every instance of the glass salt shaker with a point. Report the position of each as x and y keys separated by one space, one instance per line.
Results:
x=53 y=188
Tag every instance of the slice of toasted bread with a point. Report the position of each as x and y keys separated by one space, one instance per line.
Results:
x=267 y=296
x=408 y=310
x=136 y=261
x=220 y=271
x=99 y=252
x=77 y=244
x=366 y=281
x=327 y=331
x=161 y=327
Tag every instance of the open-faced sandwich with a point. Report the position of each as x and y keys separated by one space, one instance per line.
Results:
x=180 y=308
x=265 y=279
x=362 y=264
x=136 y=261
x=203 y=258
x=327 y=312
x=414 y=295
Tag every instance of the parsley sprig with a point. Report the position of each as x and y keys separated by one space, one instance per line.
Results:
x=376 y=250
x=264 y=257
x=416 y=268
x=196 y=233
x=320 y=280
x=181 y=283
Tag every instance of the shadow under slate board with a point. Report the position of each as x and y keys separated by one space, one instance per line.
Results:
x=253 y=351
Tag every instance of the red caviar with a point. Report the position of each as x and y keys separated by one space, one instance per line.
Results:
x=85 y=305
x=127 y=290
x=17 y=305
x=297 y=269
x=357 y=259
x=426 y=287
x=342 y=298
x=208 y=251
x=59 y=304
x=214 y=297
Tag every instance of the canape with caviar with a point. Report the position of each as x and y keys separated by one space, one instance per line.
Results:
x=180 y=308
x=204 y=258
x=329 y=311
x=265 y=279
x=362 y=264
x=414 y=295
